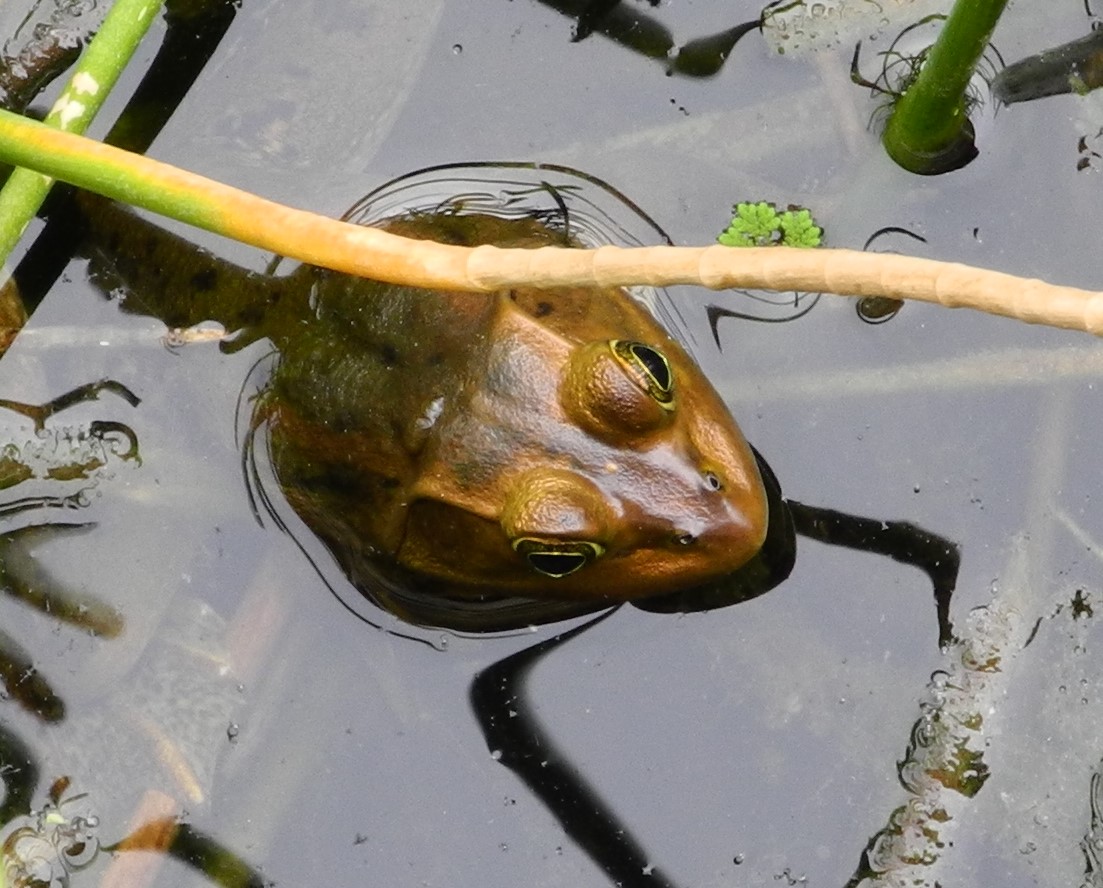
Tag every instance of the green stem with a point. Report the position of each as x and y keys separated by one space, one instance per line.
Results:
x=929 y=131
x=92 y=79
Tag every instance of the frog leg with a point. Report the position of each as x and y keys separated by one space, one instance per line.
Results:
x=938 y=557
x=24 y=579
x=194 y=849
x=165 y=276
x=18 y=775
x=633 y=30
x=500 y=700
x=907 y=543
x=22 y=682
x=39 y=413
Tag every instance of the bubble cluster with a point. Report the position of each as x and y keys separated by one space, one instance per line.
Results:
x=813 y=25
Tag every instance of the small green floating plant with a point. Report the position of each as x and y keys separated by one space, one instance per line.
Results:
x=761 y=225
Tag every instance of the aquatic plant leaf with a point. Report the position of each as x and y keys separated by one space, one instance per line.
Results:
x=799 y=229
x=760 y=225
x=752 y=225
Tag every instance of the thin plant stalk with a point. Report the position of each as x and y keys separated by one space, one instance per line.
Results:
x=929 y=130
x=370 y=252
x=92 y=79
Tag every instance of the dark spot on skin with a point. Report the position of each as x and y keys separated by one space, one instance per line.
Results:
x=341 y=422
x=435 y=359
x=543 y=309
x=389 y=483
x=251 y=315
x=204 y=281
x=389 y=354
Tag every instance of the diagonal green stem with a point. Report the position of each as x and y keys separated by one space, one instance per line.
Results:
x=92 y=79
x=929 y=131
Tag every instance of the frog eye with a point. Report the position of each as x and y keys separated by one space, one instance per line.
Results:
x=555 y=558
x=617 y=389
x=649 y=367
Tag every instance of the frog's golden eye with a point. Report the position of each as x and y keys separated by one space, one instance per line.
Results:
x=556 y=558
x=554 y=519
x=617 y=389
x=649 y=367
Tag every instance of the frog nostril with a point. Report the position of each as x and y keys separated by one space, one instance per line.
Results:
x=712 y=481
x=685 y=539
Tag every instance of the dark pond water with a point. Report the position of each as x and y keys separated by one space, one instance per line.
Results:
x=755 y=745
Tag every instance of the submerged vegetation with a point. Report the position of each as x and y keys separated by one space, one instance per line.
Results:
x=929 y=130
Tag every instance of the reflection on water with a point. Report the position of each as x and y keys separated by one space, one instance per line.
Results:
x=644 y=33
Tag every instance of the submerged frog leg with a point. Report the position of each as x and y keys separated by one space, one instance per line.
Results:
x=18 y=775
x=500 y=699
x=195 y=849
x=39 y=413
x=938 y=557
x=23 y=684
x=169 y=278
x=26 y=580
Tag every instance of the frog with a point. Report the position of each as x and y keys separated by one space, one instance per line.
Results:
x=480 y=461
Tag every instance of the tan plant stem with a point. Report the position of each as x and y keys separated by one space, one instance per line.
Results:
x=369 y=252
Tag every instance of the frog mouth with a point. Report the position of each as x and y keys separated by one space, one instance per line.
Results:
x=431 y=603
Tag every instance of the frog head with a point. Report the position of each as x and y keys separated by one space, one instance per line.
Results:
x=570 y=467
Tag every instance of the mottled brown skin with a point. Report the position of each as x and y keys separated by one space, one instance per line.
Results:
x=453 y=448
